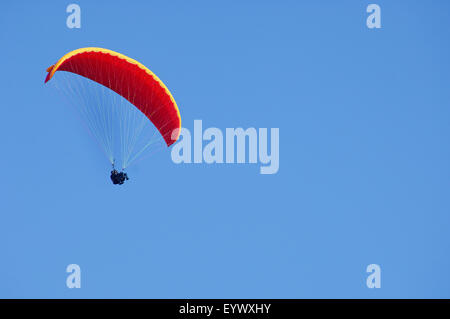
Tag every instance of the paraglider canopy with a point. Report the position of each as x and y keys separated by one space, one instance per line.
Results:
x=128 y=78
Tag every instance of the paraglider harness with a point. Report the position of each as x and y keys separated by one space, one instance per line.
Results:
x=118 y=178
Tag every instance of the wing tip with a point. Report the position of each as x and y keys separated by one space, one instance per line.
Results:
x=49 y=70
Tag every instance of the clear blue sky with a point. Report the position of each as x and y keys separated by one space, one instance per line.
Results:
x=364 y=118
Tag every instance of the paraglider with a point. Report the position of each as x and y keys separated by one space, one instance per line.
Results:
x=118 y=97
x=118 y=178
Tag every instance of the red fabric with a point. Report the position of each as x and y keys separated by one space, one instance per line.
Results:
x=131 y=82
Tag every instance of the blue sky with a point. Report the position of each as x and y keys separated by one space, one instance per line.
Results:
x=364 y=157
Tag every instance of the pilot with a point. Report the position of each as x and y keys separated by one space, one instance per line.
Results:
x=118 y=178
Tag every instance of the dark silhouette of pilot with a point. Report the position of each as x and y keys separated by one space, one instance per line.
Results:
x=118 y=178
